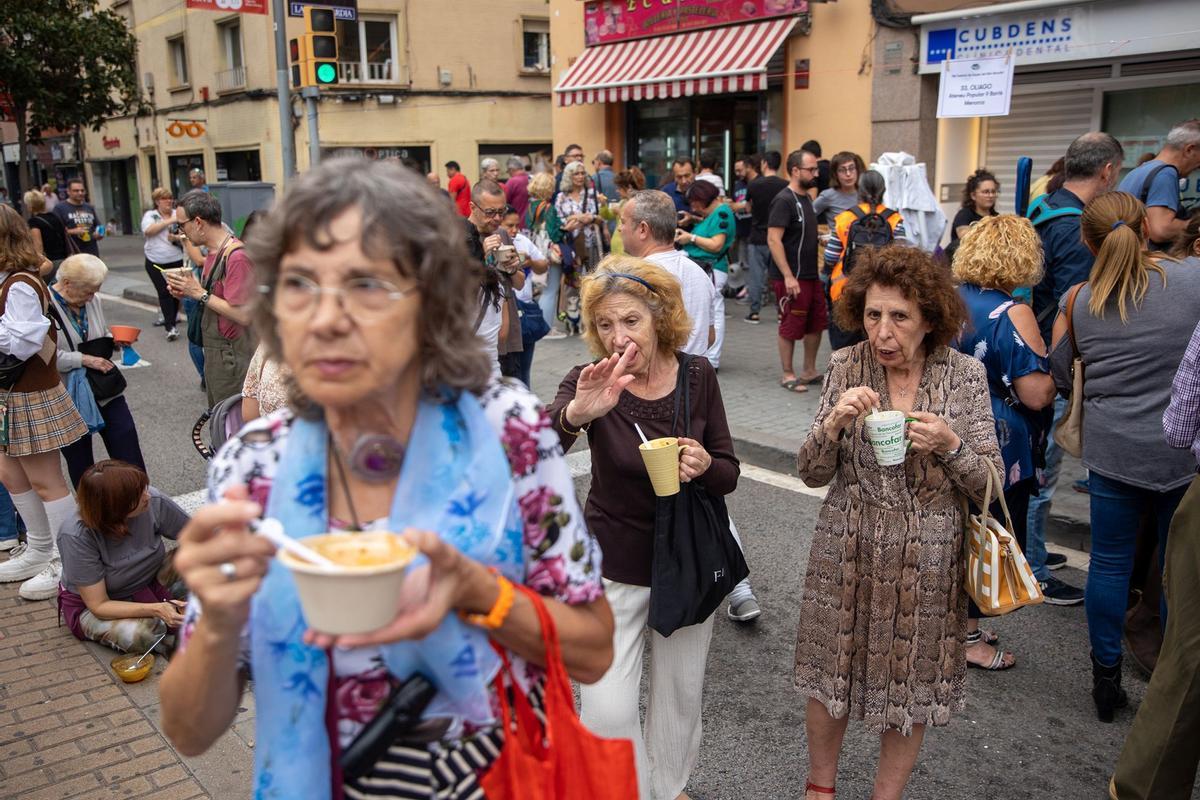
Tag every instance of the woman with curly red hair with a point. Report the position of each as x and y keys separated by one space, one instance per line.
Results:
x=884 y=612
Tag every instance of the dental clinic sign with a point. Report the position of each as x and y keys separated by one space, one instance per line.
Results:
x=1097 y=30
x=980 y=87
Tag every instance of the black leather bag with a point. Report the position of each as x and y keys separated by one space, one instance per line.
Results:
x=105 y=385
x=697 y=562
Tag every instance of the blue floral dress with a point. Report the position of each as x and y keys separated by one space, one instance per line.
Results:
x=991 y=337
x=562 y=561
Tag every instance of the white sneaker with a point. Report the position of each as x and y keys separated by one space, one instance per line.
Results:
x=44 y=585
x=555 y=333
x=23 y=566
x=8 y=544
x=172 y=335
x=17 y=550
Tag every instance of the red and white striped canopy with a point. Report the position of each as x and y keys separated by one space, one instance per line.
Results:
x=711 y=61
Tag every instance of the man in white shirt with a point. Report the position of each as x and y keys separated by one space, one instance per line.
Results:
x=648 y=231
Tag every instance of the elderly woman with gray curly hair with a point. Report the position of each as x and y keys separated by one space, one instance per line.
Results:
x=395 y=424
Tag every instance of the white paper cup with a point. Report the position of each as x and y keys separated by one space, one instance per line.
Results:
x=885 y=431
x=354 y=598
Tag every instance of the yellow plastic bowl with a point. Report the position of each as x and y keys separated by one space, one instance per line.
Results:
x=123 y=666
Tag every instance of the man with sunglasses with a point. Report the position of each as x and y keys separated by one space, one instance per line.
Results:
x=498 y=323
x=224 y=293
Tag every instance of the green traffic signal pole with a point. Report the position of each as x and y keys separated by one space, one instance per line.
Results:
x=287 y=138
x=310 y=95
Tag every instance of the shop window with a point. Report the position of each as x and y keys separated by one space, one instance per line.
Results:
x=233 y=75
x=177 y=57
x=1141 y=118
x=535 y=45
x=239 y=165
x=367 y=49
x=178 y=169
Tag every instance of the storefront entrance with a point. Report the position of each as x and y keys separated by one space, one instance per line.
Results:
x=723 y=126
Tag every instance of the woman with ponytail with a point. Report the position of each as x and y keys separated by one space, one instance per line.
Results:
x=1130 y=324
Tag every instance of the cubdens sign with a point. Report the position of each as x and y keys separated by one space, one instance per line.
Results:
x=980 y=87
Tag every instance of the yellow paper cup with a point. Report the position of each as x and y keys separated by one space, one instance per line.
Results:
x=363 y=593
x=661 y=457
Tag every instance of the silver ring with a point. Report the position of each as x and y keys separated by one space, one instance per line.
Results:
x=228 y=569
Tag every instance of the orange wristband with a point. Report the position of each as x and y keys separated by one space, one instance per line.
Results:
x=504 y=603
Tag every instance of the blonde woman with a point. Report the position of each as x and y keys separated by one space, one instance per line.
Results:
x=48 y=232
x=1132 y=321
x=163 y=250
x=635 y=323
x=545 y=229
x=997 y=255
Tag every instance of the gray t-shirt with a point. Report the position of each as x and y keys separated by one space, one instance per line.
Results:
x=126 y=564
x=832 y=202
x=1128 y=369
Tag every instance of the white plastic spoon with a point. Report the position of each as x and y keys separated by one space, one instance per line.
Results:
x=272 y=529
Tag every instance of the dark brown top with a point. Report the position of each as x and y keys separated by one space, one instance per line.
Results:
x=620 y=506
x=39 y=375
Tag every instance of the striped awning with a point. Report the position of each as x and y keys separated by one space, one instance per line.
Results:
x=710 y=61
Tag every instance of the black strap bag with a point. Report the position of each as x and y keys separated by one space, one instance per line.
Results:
x=697 y=562
x=195 y=323
x=105 y=385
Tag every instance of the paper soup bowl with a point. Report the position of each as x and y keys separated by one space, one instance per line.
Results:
x=363 y=593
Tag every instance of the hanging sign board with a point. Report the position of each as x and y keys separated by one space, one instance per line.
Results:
x=979 y=87
x=607 y=21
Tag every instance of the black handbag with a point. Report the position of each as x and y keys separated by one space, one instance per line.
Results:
x=697 y=562
x=104 y=385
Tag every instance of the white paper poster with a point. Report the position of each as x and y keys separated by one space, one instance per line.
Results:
x=980 y=87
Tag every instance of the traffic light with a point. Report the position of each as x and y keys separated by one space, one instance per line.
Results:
x=313 y=56
x=320 y=31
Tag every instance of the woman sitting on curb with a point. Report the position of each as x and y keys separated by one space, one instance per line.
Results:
x=118 y=585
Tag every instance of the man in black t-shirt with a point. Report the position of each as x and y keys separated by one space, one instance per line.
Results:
x=759 y=193
x=792 y=239
x=80 y=218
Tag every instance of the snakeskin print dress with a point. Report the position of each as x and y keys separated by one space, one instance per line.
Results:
x=884 y=611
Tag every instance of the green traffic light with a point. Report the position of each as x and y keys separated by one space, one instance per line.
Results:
x=326 y=73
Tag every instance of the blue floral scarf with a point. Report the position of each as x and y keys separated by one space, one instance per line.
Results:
x=457 y=482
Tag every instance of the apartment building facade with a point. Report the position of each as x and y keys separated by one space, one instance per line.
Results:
x=428 y=80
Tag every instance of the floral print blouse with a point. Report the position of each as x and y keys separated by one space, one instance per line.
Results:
x=561 y=559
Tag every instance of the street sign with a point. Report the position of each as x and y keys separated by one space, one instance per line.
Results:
x=979 y=87
x=346 y=10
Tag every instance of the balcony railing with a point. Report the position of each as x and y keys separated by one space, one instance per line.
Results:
x=230 y=80
x=377 y=72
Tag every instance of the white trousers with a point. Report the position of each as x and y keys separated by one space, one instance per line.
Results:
x=713 y=354
x=667 y=752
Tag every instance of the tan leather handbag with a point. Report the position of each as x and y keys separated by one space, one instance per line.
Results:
x=1068 y=434
x=999 y=579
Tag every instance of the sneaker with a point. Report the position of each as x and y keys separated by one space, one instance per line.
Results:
x=23 y=566
x=1055 y=561
x=17 y=550
x=1058 y=593
x=555 y=333
x=1081 y=486
x=752 y=318
x=44 y=585
x=172 y=335
x=8 y=544
x=158 y=323
x=744 y=610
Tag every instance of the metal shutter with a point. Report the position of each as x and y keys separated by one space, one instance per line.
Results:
x=1040 y=125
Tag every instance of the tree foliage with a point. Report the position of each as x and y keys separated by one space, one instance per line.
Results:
x=64 y=64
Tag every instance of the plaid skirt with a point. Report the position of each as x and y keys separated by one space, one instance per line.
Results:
x=42 y=422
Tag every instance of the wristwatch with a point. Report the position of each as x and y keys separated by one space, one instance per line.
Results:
x=953 y=454
x=204 y=298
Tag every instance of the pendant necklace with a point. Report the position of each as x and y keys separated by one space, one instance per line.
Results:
x=375 y=458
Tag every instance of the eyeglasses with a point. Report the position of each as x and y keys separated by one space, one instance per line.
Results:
x=359 y=296
x=988 y=192
x=808 y=169
x=490 y=213
x=847 y=169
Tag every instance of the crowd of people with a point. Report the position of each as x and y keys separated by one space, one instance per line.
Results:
x=381 y=363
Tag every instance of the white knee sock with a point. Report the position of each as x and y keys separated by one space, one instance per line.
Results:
x=57 y=512
x=37 y=527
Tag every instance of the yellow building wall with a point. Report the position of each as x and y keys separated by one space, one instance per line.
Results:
x=479 y=44
x=582 y=125
x=836 y=108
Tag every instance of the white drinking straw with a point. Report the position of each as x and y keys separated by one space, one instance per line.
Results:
x=272 y=529
x=639 y=430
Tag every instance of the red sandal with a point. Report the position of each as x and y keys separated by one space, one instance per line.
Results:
x=812 y=787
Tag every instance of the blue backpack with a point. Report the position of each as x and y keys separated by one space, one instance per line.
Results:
x=1040 y=211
